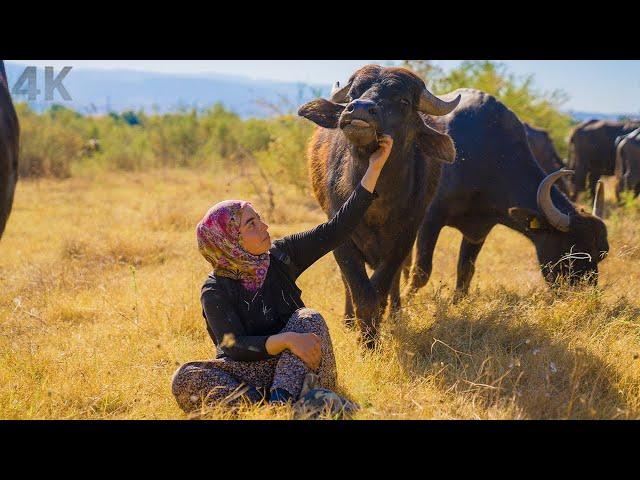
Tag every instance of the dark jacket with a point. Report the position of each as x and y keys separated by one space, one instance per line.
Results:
x=238 y=321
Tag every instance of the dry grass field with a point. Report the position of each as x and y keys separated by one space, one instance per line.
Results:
x=99 y=303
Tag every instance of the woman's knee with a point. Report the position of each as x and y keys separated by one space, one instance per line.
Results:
x=186 y=370
x=186 y=385
x=180 y=387
x=308 y=320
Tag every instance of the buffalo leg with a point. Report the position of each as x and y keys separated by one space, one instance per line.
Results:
x=406 y=267
x=389 y=271
x=619 y=173
x=394 y=294
x=427 y=239
x=579 y=179
x=619 y=187
x=363 y=295
x=349 y=313
x=466 y=265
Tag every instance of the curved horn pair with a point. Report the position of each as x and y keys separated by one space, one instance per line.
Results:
x=429 y=103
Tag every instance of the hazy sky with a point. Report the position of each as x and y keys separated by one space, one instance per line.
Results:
x=607 y=86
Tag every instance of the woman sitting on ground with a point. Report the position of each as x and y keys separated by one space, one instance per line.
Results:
x=266 y=340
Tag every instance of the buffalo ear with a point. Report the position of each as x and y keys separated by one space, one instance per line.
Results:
x=529 y=220
x=434 y=144
x=322 y=112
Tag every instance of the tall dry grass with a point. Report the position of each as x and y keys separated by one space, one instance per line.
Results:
x=99 y=304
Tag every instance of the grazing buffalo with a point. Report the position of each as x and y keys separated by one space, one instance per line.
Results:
x=592 y=151
x=386 y=100
x=628 y=163
x=9 y=147
x=545 y=153
x=496 y=180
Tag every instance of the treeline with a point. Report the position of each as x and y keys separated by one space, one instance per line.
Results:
x=60 y=142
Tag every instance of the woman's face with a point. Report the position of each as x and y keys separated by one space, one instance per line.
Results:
x=254 y=237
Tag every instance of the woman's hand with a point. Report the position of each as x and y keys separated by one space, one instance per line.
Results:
x=306 y=346
x=381 y=155
x=376 y=162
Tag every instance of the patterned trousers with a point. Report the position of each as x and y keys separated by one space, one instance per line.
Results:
x=225 y=380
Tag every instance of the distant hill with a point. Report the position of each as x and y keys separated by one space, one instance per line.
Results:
x=102 y=91
x=582 y=116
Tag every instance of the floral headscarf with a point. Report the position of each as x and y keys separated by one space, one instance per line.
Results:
x=218 y=235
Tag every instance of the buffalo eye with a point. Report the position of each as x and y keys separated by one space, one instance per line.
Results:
x=405 y=102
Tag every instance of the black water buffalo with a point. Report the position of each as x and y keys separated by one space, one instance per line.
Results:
x=628 y=163
x=387 y=100
x=9 y=147
x=496 y=180
x=592 y=151
x=545 y=153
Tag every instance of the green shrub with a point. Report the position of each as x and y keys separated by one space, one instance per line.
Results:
x=47 y=146
x=284 y=160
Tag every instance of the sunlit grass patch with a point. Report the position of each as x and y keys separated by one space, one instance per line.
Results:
x=99 y=306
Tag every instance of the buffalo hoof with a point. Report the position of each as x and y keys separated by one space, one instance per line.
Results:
x=409 y=292
x=458 y=296
x=369 y=342
x=368 y=336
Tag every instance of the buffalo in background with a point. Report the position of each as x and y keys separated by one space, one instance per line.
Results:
x=545 y=153
x=496 y=180
x=377 y=100
x=9 y=149
x=627 y=169
x=592 y=151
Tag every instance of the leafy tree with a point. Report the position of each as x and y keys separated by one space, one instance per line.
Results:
x=426 y=70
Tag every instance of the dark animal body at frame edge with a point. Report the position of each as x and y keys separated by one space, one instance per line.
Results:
x=9 y=149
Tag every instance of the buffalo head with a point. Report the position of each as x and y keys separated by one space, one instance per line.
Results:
x=568 y=246
x=384 y=100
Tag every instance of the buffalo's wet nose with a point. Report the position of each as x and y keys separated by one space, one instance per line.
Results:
x=363 y=109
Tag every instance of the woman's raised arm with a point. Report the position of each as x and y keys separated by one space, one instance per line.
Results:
x=306 y=248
